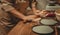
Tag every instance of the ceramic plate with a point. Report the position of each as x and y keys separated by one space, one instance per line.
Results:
x=43 y=29
x=48 y=21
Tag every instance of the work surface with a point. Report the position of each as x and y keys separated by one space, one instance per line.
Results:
x=26 y=29
x=22 y=29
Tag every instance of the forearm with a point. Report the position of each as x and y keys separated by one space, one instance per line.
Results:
x=17 y=14
x=33 y=7
x=9 y=8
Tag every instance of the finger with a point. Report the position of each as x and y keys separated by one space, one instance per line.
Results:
x=37 y=19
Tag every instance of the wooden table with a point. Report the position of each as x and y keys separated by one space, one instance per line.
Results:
x=24 y=29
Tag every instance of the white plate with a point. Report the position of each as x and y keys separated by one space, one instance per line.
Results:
x=43 y=29
x=48 y=21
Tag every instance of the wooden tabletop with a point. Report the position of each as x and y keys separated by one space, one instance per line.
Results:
x=25 y=29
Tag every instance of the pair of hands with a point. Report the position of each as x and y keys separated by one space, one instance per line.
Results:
x=42 y=13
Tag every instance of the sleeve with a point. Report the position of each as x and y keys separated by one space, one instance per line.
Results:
x=7 y=7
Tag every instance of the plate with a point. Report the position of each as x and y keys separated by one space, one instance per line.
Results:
x=48 y=21
x=42 y=29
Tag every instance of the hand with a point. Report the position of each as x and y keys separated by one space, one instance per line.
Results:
x=30 y=17
x=42 y=13
x=37 y=12
x=37 y=19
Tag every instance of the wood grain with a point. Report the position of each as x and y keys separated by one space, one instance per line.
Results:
x=23 y=29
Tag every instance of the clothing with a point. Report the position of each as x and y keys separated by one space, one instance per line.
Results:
x=4 y=12
x=2 y=30
x=6 y=18
x=30 y=2
x=41 y=4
